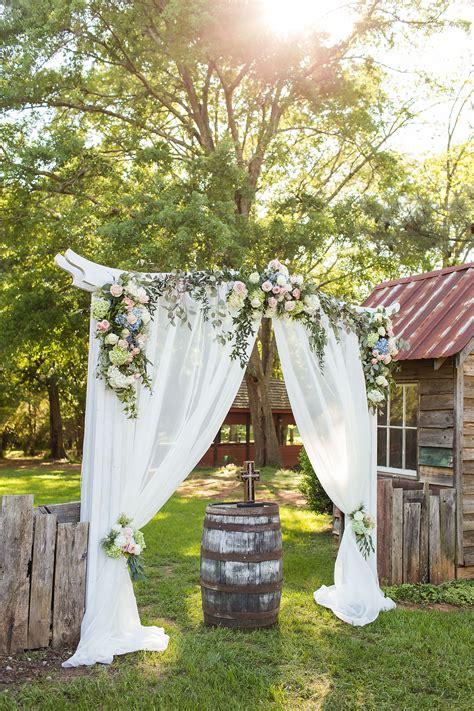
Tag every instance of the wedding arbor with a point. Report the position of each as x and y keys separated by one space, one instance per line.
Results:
x=200 y=330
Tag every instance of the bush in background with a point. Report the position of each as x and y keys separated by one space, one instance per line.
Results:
x=310 y=487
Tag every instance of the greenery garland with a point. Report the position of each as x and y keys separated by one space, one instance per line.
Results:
x=124 y=308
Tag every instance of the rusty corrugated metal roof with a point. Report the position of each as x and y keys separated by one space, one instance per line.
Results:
x=277 y=392
x=436 y=310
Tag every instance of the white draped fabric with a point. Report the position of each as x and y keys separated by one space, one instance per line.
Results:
x=337 y=429
x=134 y=466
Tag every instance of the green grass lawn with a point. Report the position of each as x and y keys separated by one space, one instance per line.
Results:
x=407 y=659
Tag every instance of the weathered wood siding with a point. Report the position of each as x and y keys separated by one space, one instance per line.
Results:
x=416 y=533
x=436 y=412
x=42 y=574
x=468 y=462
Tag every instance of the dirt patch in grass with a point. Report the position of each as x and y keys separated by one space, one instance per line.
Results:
x=34 y=665
x=224 y=485
x=34 y=463
x=440 y=606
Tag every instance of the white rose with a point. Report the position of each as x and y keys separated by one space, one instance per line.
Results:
x=281 y=280
x=138 y=549
x=358 y=516
x=255 y=303
x=382 y=331
x=381 y=380
x=254 y=278
x=111 y=339
x=145 y=314
x=378 y=317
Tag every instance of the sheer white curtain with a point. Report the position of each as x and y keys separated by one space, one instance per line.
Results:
x=330 y=409
x=134 y=466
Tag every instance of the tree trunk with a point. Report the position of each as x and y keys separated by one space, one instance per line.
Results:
x=56 y=441
x=257 y=377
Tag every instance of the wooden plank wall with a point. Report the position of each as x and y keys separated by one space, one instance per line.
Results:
x=416 y=533
x=436 y=411
x=42 y=574
x=468 y=462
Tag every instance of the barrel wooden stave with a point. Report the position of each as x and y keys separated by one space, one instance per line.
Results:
x=241 y=566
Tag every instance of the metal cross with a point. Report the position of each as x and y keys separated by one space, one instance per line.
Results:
x=249 y=475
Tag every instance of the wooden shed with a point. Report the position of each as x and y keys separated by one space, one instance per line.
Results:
x=426 y=430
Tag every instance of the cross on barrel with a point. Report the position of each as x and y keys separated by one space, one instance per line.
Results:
x=249 y=475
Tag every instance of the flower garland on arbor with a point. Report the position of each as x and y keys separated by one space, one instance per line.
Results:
x=124 y=308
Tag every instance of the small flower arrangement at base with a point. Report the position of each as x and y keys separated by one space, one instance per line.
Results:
x=362 y=524
x=124 y=540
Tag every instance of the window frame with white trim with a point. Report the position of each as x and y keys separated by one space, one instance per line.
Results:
x=386 y=428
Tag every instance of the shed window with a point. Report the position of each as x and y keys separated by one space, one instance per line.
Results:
x=397 y=431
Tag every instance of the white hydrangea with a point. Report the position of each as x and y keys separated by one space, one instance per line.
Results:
x=375 y=396
x=120 y=540
x=254 y=278
x=133 y=289
x=311 y=303
x=281 y=280
x=118 y=380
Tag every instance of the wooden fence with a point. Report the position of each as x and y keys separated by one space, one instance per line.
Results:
x=416 y=532
x=43 y=554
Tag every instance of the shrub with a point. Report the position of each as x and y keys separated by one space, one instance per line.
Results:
x=454 y=592
x=310 y=487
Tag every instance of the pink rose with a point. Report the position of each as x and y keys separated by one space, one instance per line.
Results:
x=136 y=351
x=296 y=293
x=239 y=287
x=128 y=302
x=137 y=376
x=373 y=361
x=289 y=306
x=276 y=289
x=131 y=318
x=122 y=343
x=116 y=290
x=274 y=264
x=387 y=359
x=267 y=286
x=143 y=298
x=272 y=302
x=103 y=325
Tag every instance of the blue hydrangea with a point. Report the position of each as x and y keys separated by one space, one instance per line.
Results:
x=382 y=346
x=121 y=319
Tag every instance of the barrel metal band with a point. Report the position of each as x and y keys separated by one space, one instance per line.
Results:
x=245 y=527
x=243 y=557
x=220 y=587
x=240 y=615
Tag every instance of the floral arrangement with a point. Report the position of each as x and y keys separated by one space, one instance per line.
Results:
x=124 y=308
x=123 y=311
x=362 y=524
x=124 y=540
x=276 y=293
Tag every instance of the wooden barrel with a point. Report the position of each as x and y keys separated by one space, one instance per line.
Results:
x=241 y=564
